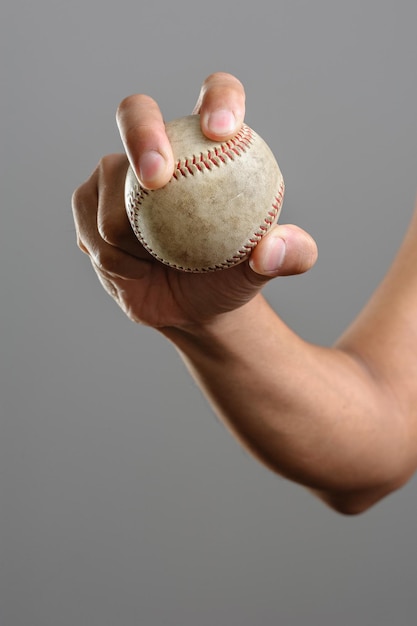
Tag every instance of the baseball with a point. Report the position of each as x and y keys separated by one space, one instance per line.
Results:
x=221 y=200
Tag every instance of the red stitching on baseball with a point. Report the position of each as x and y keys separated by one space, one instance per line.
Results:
x=219 y=154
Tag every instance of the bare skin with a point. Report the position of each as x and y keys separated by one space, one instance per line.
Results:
x=343 y=420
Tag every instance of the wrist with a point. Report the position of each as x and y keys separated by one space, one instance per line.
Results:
x=220 y=330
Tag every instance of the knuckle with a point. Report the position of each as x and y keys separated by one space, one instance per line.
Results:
x=81 y=245
x=79 y=198
x=105 y=260
x=111 y=229
x=85 y=194
x=76 y=198
x=105 y=165
x=104 y=229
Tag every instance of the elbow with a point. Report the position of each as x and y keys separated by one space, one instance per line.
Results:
x=349 y=506
x=352 y=503
x=358 y=493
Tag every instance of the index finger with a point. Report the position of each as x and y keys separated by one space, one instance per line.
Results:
x=142 y=130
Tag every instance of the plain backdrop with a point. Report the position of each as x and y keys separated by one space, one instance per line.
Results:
x=123 y=500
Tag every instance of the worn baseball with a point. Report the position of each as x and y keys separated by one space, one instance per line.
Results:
x=221 y=200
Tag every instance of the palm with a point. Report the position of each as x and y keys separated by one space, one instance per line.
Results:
x=166 y=297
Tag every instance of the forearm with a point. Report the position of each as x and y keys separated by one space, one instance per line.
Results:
x=314 y=415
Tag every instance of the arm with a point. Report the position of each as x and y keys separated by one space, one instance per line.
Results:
x=338 y=420
x=342 y=421
x=325 y=418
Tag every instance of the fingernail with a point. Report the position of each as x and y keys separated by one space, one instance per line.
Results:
x=273 y=253
x=221 y=122
x=151 y=165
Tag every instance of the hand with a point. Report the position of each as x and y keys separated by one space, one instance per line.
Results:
x=148 y=291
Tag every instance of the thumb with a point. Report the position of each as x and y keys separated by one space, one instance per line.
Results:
x=286 y=250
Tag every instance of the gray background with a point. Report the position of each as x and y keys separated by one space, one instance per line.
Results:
x=123 y=500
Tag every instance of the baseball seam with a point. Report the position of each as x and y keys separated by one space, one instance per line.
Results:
x=216 y=157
